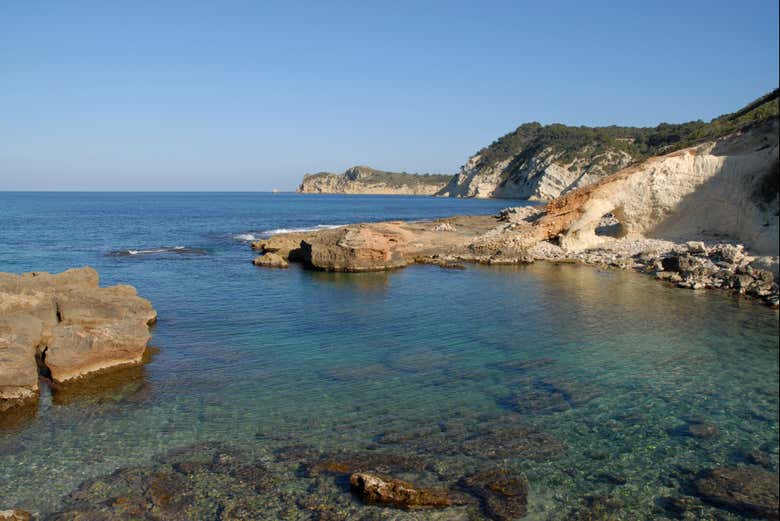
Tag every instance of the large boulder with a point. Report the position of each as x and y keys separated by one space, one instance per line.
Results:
x=358 y=248
x=65 y=326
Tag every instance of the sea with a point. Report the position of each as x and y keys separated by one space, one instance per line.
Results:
x=589 y=383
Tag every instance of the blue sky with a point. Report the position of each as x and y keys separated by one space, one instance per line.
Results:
x=250 y=95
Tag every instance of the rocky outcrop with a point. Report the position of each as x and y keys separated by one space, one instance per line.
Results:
x=270 y=260
x=384 y=245
x=365 y=180
x=65 y=326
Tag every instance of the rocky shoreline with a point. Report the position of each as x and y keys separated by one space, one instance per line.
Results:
x=671 y=216
x=62 y=327
x=501 y=239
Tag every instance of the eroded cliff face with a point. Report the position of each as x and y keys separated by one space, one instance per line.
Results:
x=723 y=189
x=365 y=180
x=542 y=162
x=535 y=176
x=720 y=190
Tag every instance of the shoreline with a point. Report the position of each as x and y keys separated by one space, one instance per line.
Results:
x=505 y=239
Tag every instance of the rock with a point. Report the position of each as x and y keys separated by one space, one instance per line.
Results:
x=598 y=508
x=359 y=248
x=539 y=402
x=513 y=442
x=696 y=429
x=75 y=350
x=504 y=495
x=444 y=227
x=731 y=253
x=19 y=337
x=15 y=515
x=286 y=245
x=745 y=490
x=65 y=326
x=205 y=481
x=696 y=247
x=270 y=260
x=373 y=488
x=758 y=457
x=702 y=430
x=366 y=462
x=680 y=506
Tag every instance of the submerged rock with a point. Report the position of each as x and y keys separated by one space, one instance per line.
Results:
x=65 y=326
x=504 y=494
x=681 y=506
x=205 y=481
x=373 y=488
x=15 y=515
x=369 y=461
x=598 y=508
x=745 y=490
x=513 y=442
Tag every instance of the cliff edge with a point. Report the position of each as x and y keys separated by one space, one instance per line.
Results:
x=539 y=162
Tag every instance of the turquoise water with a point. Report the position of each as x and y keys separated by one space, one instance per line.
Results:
x=610 y=366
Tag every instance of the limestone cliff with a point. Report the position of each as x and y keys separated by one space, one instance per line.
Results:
x=365 y=180
x=543 y=162
x=721 y=189
x=540 y=171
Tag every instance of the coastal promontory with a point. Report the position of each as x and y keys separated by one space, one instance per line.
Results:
x=366 y=180
x=705 y=216
x=65 y=326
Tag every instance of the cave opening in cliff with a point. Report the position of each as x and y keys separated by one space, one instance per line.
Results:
x=609 y=226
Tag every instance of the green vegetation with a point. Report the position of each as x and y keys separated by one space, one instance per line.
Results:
x=390 y=179
x=639 y=142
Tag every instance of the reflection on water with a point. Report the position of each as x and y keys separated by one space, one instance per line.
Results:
x=119 y=386
x=368 y=282
x=16 y=419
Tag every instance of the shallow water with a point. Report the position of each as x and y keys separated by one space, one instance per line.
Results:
x=610 y=365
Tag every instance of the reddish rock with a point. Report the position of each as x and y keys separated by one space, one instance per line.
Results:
x=373 y=488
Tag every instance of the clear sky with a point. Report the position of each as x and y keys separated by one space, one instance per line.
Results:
x=251 y=95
